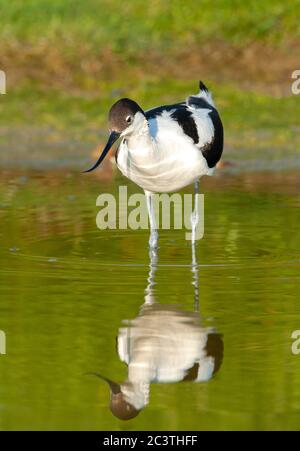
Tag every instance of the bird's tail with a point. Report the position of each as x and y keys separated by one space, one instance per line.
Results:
x=204 y=93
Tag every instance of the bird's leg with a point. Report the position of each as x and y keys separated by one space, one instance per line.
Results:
x=195 y=214
x=153 y=234
x=195 y=281
x=149 y=291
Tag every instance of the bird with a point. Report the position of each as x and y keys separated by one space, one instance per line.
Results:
x=166 y=148
x=163 y=344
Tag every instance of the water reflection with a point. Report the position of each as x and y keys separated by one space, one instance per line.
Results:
x=163 y=344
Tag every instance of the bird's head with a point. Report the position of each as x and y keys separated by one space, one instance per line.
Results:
x=118 y=405
x=125 y=116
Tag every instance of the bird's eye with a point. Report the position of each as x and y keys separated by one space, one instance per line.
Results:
x=128 y=119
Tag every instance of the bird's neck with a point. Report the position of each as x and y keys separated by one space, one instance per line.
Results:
x=137 y=394
x=141 y=139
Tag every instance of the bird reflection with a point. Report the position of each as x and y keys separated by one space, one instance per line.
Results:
x=163 y=344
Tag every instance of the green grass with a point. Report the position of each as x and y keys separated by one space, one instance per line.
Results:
x=68 y=61
x=252 y=121
x=140 y=25
x=249 y=108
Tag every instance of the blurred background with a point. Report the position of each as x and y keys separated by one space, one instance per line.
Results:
x=66 y=287
x=67 y=61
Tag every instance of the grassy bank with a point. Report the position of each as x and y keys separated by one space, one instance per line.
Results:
x=68 y=61
x=130 y=26
x=75 y=44
x=257 y=125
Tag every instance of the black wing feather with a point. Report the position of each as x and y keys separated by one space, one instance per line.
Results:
x=181 y=114
x=184 y=116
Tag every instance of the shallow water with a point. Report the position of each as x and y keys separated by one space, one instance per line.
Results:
x=67 y=288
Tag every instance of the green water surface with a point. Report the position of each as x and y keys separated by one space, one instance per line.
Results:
x=67 y=287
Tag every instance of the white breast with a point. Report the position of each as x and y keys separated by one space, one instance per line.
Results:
x=168 y=161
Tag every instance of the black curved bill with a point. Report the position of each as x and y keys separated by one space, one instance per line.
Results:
x=115 y=388
x=112 y=138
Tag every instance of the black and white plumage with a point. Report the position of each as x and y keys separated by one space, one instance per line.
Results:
x=186 y=114
x=163 y=344
x=168 y=147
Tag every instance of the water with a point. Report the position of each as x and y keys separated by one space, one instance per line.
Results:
x=68 y=290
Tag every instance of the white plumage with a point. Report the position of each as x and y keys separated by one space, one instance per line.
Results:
x=168 y=147
x=162 y=345
x=159 y=156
